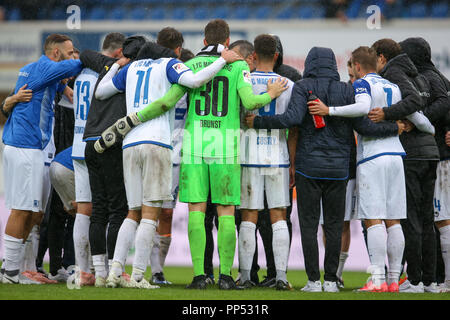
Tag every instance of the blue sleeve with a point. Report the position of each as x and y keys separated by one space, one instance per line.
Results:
x=120 y=79
x=361 y=86
x=52 y=72
x=174 y=69
x=61 y=87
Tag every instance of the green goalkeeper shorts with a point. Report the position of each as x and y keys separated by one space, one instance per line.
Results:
x=200 y=175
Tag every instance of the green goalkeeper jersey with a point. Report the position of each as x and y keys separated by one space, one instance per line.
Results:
x=212 y=128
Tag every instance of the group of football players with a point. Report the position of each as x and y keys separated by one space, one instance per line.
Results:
x=151 y=118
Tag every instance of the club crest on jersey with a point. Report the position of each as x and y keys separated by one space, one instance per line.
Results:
x=180 y=67
x=247 y=76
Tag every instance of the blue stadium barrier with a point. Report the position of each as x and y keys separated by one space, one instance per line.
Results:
x=118 y=13
x=242 y=13
x=138 y=13
x=221 y=12
x=157 y=13
x=262 y=12
x=306 y=12
x=179 y=13
x=58 y=13
x=200 y=13
x=439 y=10
x=14 y=15
x=418 y=10
x=97 y=13
x=285 y=13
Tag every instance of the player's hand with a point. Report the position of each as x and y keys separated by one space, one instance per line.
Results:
x=108 y=138
x=115 y=132
x=230 y=56
x=123 y=61
x=68 y=92
x=249 y=119
x=409 y=126
x=23 y=95
x=447 y=138
x=277 y=87
x=401 y=127
x=318 y=108
x=291 y=177
x=376 y=115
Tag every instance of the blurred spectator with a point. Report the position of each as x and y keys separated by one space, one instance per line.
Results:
x=2 y=14
x=335 y=8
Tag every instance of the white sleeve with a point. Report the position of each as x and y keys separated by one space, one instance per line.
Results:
x=195 y=80
x=106 y=88
x=361 y=107
x=421 y=122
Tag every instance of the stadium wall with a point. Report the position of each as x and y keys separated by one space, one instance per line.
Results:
x=21 y=43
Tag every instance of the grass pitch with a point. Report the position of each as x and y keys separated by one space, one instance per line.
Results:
x=181 y=276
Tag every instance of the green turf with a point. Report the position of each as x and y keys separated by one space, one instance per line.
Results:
x=180 y=276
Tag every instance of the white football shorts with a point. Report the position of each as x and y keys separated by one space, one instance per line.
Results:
x=82 y=185
x=147 y=170
x=254 y=180
x=381 y=190
x=23 y=172
x=63 y=180
x=442 y=191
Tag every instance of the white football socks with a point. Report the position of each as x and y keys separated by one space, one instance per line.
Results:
x=124 y=242
x=13 y=253
x=376 y=245
x=247 y=245
x=445 y=249
x=342 y=259
x=280 y=245
x=144 y=243
x=81 y=241
x=100 y=265
x=395 y=247
x=29 y=262
x=164 y=245
x=155 y=263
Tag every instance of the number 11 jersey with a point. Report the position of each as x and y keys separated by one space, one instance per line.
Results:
x=145 y=81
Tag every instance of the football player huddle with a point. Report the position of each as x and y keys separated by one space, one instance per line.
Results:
x=232 y=126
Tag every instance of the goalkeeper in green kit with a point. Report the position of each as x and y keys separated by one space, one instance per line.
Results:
x=211 y=143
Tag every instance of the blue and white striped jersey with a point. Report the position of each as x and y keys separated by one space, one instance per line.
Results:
x=382 y=93
x=145 y=81
x=262 y=147
x=83 y=91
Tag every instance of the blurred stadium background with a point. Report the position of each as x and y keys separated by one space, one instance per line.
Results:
x=300 y=24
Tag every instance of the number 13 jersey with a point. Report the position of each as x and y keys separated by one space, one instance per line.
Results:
x=212 y=127
x=83 y=90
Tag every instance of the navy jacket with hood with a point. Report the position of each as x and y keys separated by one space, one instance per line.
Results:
x=323 y=153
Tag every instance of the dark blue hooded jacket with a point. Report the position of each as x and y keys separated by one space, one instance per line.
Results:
x=323 y=153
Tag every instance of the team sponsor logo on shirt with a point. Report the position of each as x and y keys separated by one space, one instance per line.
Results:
x=361 y=90
x=247 y=76
x=180 y=67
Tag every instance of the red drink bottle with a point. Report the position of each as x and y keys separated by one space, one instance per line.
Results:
x=319 y=121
